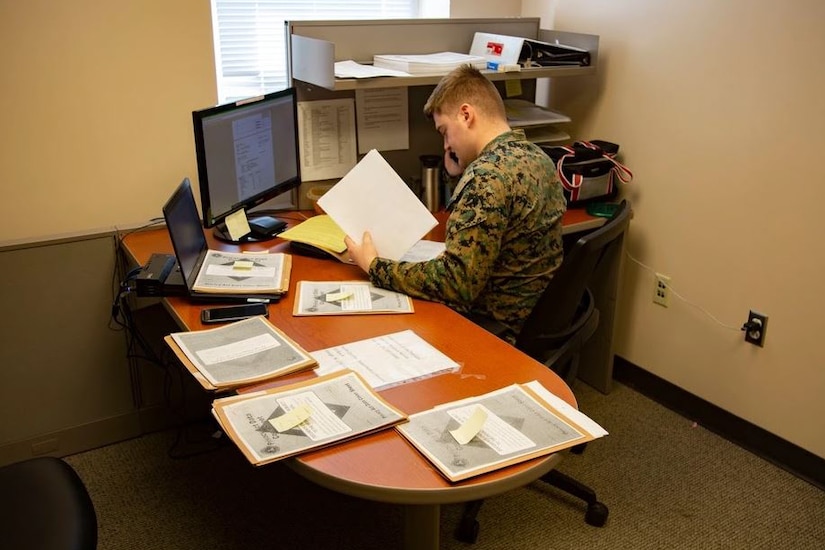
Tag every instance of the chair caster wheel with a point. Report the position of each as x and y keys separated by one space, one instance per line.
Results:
x=467 y=531
x=596 y=514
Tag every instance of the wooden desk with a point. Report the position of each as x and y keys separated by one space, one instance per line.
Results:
x=383 y=466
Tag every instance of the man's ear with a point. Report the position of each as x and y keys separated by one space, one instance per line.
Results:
x=467 y=113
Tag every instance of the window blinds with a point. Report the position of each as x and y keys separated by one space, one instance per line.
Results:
x=250 y=46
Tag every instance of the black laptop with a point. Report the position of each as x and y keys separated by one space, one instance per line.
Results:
x=189 y=242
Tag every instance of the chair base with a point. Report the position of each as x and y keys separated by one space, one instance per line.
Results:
x=595 y=515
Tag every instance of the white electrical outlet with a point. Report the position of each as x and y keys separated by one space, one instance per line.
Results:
x=661 y=290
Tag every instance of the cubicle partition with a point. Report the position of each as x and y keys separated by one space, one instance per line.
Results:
x=314 y=47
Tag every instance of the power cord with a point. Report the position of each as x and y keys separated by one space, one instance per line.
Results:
x=140 y=348
x=682 y=298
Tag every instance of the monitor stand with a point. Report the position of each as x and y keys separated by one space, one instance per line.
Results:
x=264 y=228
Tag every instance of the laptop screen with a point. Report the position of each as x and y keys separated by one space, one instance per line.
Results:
x=185 y=230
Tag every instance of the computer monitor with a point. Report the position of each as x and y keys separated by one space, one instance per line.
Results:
x=247 y=153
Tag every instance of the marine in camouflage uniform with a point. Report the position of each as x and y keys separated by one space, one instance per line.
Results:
x=503 y=237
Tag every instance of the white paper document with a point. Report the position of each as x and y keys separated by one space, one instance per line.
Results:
x=373 y=197
x=386 y=361
x=383 y=121
x=326 y=136
x=423 y=250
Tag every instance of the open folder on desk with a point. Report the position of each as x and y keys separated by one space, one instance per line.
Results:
x=280 y=422
x=480 y=434
x=238 y=354
x=319 y=232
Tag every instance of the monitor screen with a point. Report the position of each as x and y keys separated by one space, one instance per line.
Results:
x=247 y=153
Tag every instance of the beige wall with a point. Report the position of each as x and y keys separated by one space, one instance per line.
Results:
x=719 y=108
x=97 y=98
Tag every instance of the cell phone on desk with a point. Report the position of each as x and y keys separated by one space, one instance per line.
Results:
x=233 y=313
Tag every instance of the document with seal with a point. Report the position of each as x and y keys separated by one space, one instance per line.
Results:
x=274 y=424
x=480 y=434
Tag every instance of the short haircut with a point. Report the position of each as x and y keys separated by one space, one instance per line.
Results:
x=465 y=84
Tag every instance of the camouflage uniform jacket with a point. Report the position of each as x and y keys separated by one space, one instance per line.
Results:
x=503 y=237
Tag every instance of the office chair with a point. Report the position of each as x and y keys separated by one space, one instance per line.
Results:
x=562 y=320
x=44 y=504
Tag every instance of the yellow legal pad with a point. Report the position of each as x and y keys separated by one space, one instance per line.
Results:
x=318 y=231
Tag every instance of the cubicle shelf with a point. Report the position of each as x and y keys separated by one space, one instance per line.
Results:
x=342 y=84
x=315 y=46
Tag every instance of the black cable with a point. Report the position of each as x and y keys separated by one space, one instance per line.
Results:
x=139 y=348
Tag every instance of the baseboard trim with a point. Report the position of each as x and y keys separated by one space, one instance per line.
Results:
x=796 y=460
x=73 y=440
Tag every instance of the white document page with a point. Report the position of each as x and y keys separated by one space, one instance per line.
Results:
x=326 y=137
x=386 y=361
x=351 y=69
x=372 y=197
x=383 y=120
x=424 y=250
x=563 y=406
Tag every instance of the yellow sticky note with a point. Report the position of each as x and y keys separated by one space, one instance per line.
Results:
x=512 y=87
x=338 y=296
x=243 y=264
x=291 y=419
x=470 y=428
x=237 y=224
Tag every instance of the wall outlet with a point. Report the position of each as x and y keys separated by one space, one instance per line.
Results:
x=661 y=290
x=755 y=328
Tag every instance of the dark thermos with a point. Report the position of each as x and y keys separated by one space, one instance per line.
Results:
x=431 y=181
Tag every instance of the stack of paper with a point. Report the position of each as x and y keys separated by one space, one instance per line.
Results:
x=433 y=64
x=522 y=113
x=387 y=361
x=536 y=121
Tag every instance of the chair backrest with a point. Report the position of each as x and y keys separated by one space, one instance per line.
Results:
x=559 y=304
x=46 y=506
